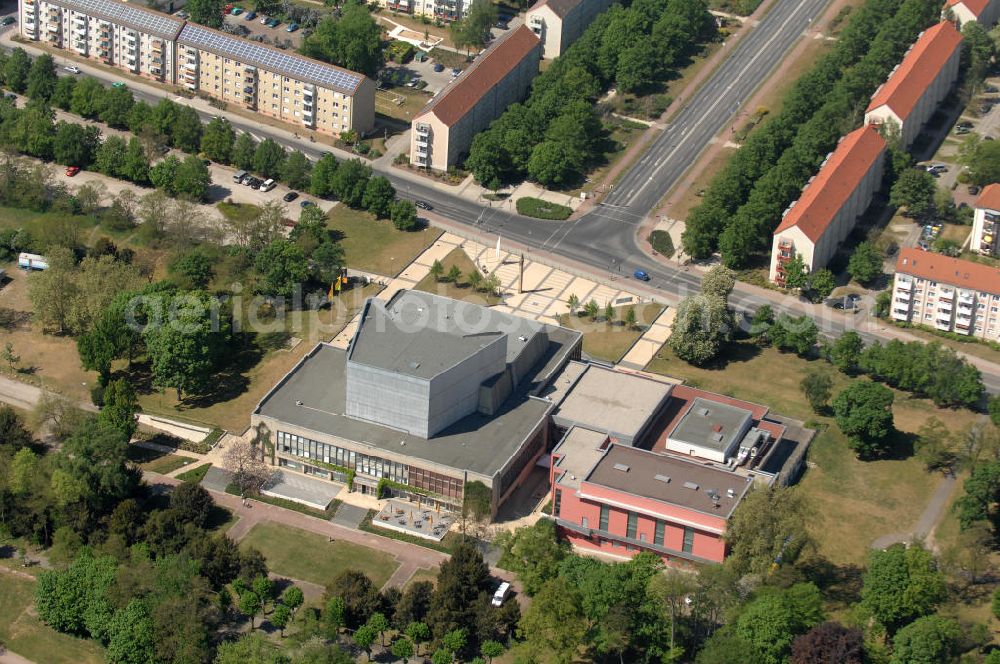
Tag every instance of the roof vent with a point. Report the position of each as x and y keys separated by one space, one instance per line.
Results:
x=731 y=493
x=703 y=412
x=662 y=478
x=414 y=365
x=298 y=402
x=717 y=428
x=691 y=485
x=522 y=338
x=622 y=467
x=717 y=437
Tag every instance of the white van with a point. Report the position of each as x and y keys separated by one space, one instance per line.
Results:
x=501 y=594
x=268 y=185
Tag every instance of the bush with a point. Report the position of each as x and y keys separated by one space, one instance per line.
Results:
x=662 y=243
x=539 y=209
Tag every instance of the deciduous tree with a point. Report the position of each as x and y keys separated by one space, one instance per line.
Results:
x=901 y=584
x=864 y=413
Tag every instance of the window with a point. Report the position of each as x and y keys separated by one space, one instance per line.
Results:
x=630 y=529
x=658 y=533
x=583 y=521
x=556 y=503
x=688 y=544
x=604 y=517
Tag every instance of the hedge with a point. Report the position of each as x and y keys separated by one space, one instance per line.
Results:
x=539 y=209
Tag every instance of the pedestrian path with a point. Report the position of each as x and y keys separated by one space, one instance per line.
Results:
x=649 y=343
x=182 y=430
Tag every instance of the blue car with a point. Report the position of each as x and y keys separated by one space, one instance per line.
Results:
x=306 y=204
x=250 y=16
x=641 y=275
x=292 y=28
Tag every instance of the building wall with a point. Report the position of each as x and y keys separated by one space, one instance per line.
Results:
x=819 y=254
x=926 y=105
x=944 y=307
x=454 y=393
x=447 y=145
x=582 y=509
x=558 y=34
x=985 y=226
x=446 y=10
x=961 y=14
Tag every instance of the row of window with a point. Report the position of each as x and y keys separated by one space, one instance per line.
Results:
x=632 y=524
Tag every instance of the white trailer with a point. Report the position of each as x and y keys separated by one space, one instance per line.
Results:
x=27 y=261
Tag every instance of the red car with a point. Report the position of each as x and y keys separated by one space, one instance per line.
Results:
x=227 y=9
x=72 y=170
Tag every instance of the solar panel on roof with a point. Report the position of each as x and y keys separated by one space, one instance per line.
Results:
x=285 y=63
x=118 y=12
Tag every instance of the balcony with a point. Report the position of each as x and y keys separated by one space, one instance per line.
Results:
x=191 y=66
x=248 y=90
x=903 y=295
x=156 y=47
x=947 y=295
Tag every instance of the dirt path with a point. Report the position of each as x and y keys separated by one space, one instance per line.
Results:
x=928 y=520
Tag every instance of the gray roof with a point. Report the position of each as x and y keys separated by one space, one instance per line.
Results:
x=421 y=334
x=272 y=59
x=669 y=480
x=619 y=403
x=139 y=18
x=476 y=443
x=711 y=424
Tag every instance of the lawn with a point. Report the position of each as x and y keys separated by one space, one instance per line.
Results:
x=155 y=461
x=238 y=211
x=25 y=634
x=853 y=502
x=195 y=475
x=310 y=557
x=611 y=342
x=459 y=290
x=375 y=245
x=424 y=574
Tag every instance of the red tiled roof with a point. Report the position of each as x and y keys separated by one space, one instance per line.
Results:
x=989 y=197
x=948 y=270
x=459 y=97
x=836 y=181
x=974 y=6
x=918 y=69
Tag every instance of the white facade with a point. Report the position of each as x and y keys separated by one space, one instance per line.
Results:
x=985 y=226
x=986 y=12
x=445 y=10
x=558 y=23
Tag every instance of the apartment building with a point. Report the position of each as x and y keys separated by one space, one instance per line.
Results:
x=558 y=23
x=815 y=225
x=443 y=130
x=276 y=83
x=135 y=39
x=986 y=222
x=444 y=10
x=947 y=294
x=985 y=12
x=919 y=83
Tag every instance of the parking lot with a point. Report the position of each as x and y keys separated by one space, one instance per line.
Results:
x=271 y=36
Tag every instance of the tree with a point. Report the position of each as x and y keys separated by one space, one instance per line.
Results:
x=821 y=284
x=927 y=640
x=829 y=643
x=282 y=266
x=293 y=598
x=115 y=107
x=702 y=325
x=934 y=445
x=297 y=170
x=402 y=648
x=41 y=81
x=131 y=633
x=474 y=29
x=491 y=649
x=914 y=190
x=62 y=96
x=193 y=268
x=72 y=145
x=901 y=584
x=109 y=157
x=354 y=41
x=865 y=263
x=135 y=167
x=769 y=526
x=591 y=309
x=981 y=50
x=16 y=70
x=245 y=461
x=192 y=179
x=206 y=12
x=360 y=596
x=12 y=430
x=437 y=270
x=533 y=553
x=573 y=302
x=796 y=334
x=846 y=351
x=218 y=140
x=817 y=387
x=350 y=181
x=250 y=606
x=379 y=197
x=9 y=356
x=119 y=408
x=609 y=313
x=51 y=291
x=244 y=151
x=552 y=164
x=269 y=158
x=772 y=620
x=554 y=625
x=364 y=637
x=163 y=174
x=461 y=579
x=863 y=411
x=22 y=473
x=280 y=617
x=418 y=632
x=193 y=504
x=629 y=318
x=994 y=410
x=719 y=281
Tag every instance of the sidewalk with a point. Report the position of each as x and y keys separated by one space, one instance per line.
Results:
x=646 y=347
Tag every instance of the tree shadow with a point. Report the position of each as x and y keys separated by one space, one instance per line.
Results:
x=12 y=319
x=901 y=446
x=733 y=353
x=841 y=584
x=231 y=381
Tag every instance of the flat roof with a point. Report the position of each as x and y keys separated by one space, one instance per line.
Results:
x=476 y=443
x=669 y=480
x=286 y=63
x=139 y=18
x=711 y=424
x=619 y=403
x=580 y=449
x=421 y=334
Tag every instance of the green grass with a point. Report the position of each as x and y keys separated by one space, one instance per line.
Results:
x=446 y=544
x=25 y=634
x=155 y=461
x=852 y=501
x=539 y=209
x=423 y=574
x=195 y=475
x=611 y=342
x=238 y=211
x=376 y=245
x=310 y=557
x=459 y=290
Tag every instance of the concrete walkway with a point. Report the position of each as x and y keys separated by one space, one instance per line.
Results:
x=646 y=347
x=182 y=430
x=928 y=519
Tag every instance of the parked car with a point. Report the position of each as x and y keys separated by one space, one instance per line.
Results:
x=438 y=67
x=990 y=89
x=118 y=84
x=964 y=125
x=422 y=205
x=73 y=69
x=273 y=23
x=72 y=170
x=238 y=176
x=182 y=14
x=268 y=185
x=937 y=168
x=292 y=28
x=250 y=16
x=227 y=9
x=641 y=275
x=973 y=189
x=7 y=20
x=502 y=25
x=264 y=20
x=306 y=204
x=501 y=594
x=290 y=196
x=456 y=71
x=236 y=11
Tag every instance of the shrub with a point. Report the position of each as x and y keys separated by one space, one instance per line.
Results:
x=662 y=243
x=539 y=209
